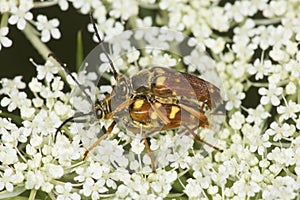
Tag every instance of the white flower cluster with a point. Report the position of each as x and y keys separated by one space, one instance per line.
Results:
x=19 y=13
x=254 y=45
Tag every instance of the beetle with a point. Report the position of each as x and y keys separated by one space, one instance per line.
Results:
x=154 y=99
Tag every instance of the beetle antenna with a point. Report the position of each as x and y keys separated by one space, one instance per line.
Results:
x=102 y=47
x=64 y=66
x=77 y=115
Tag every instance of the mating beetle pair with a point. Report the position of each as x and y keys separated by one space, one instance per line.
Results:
x=152 y=100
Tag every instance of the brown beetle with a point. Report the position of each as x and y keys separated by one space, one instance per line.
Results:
x=152 y=100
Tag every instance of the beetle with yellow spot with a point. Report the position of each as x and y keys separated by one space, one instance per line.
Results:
x=152 y=100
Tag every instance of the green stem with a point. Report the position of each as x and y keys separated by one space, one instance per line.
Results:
x=149 y=6
x=298 y=92
x=32 y=194
x=4 y=19
x=79 y=51
x=42 y=49
x=44 y=4
x=267 y=21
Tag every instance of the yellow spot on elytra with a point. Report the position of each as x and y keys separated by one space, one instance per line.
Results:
x=157 y=105
x=174 y=110
x=153 y=115
x=177 y=80
x=212 y=90
x=138 y=104
x=159 y=70
x=160 y=80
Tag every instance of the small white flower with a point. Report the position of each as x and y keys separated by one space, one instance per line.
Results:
x=80 y=104
x=197 y=60
x=133 y=55
x=27 y=112
x=270 y=95
x=20 y=15
x=46 y=71
x=6 y=180
x=48 y=28
x=193 y=189
x=292 y=67
x=155 y=44
x=54 y=171
x=243 y=188
x=162 y=182
x=262 y=37
x=257 y=115
x=216 y=45
x=279 y=36
x=35 y=85
x=282 y=156
x=219 y=20
x=120 y=42
x=4 y=6
x=165 y=60
x=110 y=151
x=257 y=142
x=234 y=11
x=279 y=55
x=85 y=6
x=16 y=99
x=288 y=111
x=124 y=9
x=290 y=88
x=65 y=192
x=137 y=145
x=14 y=84
x=35 y=180
x=275 y=8
x=260 y=69
x=237 y=120
x=234 y=98
x=63 y=110
x=4 y=41
x=243 y=50
x=8 y=155
x=280 y=131
x=57 y=84
x=281 y=187
x=141 y=24
x=93 y=189
x=63 y=4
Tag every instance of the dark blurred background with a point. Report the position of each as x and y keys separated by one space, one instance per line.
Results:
x=15 y=59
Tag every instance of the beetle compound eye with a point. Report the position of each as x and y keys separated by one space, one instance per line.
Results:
x=99 y=113
x=123 y=89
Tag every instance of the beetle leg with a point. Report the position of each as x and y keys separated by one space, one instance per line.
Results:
x=159 y=113
x=196 y=137
x=109 y=130
x=202 y=107
x=148 y=151
x=119 y=108
x=203 y=119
